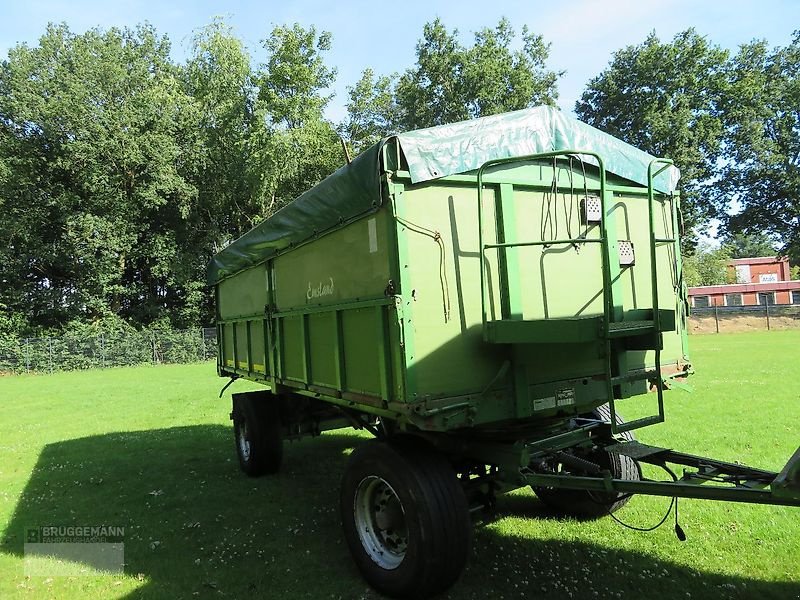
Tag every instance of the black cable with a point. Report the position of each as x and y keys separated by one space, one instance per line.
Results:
x=673 y=503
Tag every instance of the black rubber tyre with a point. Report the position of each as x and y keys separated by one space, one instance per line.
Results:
x=593 y=505
x=257 y=432
x=405 y=518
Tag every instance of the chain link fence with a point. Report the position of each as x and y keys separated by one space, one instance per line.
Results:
x=731 y=319
x=117 y=349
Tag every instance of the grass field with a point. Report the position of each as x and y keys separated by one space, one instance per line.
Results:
x=151 y=449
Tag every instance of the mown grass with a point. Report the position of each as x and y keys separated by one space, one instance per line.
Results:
x=151 y=449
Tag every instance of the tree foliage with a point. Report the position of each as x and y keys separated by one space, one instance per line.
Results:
x=761 y=175
x=371 y=110
x=749 y=245
x=451 y=82
x=95 y=128
x=708 y=266
x=664 y=98
x=121 y=172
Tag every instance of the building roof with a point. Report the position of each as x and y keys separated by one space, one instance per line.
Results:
x=759 y=260
x=743 y=288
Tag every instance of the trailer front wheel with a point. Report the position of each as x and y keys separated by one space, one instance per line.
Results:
x=257 y=431
x=405 y=518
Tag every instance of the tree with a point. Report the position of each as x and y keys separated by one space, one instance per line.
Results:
x=664 y=98
x=452 y=83
x=761 y=175
x=297 y=147
x=97 y=128
x=748 y=245
x=707 y=266
x=371 y=110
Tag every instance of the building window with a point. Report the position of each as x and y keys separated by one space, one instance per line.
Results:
x=766 y=298
x=733 y=300
x=742 y=273
x=702 y=301
x=795 y=296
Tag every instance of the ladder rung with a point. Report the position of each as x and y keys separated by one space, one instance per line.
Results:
x=630 y=377
x=665 y=240
x=630 y=328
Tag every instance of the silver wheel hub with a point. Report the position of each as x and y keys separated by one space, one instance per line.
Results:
x=380 y=522
x=244 y=440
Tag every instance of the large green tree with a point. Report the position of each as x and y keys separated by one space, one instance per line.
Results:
x=371 y=110
x=96 y=131
x=297 y=147
x=121 y=172
x=664 y=98
x=760 y=179
x=451 y=82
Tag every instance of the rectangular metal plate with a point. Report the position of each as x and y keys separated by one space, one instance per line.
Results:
x=627 y=257
x=590 y=210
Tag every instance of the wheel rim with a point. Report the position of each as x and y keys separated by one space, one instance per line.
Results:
x=244 y=441
x=381 y=522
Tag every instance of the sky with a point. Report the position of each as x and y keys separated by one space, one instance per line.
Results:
x=382 y=35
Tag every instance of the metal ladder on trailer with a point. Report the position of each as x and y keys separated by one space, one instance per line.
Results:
x=611 y=329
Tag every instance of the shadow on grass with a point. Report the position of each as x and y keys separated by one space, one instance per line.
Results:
x=196 y=527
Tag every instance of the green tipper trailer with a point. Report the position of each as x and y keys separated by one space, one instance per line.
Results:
x=481 y=297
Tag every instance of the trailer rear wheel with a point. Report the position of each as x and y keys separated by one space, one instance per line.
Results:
x=405 y=518
x=257 y=431
x=593 y=505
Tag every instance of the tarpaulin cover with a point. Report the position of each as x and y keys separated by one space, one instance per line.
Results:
x=348 y=192
x=431 y=153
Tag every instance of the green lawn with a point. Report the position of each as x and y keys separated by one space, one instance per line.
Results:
x=151 y=449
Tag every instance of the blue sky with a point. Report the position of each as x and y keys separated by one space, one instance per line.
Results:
x=383 y=35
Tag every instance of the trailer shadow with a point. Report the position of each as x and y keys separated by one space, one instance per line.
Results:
x=569 y=568
x=196 y=527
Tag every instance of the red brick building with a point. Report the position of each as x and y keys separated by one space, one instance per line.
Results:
x=763 y=280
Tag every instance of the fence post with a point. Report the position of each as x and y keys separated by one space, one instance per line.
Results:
x=716 y=316
x=766 y=306
x=102 y=352
x=155 y=356
x=50 y=346
x=27 y=356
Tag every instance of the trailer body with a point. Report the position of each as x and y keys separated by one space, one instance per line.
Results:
x=382 y=312
x=482 y=297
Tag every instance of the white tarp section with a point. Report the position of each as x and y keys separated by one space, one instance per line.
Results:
x=465 y=146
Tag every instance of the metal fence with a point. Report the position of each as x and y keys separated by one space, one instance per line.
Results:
x=73 y=351
x=722 y=319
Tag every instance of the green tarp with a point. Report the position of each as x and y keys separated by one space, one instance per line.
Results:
x=431 y=153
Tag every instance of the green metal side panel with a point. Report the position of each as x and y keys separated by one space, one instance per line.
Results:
x=346 y=265
x=441 y=291
x=322 y=337
x=244 y=294
x=227 y=345
x=241 y=301
x=329 y=327
x=450 y=357
x=361 y=333
x=292 y=348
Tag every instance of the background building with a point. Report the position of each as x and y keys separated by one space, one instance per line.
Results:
x=762 y=280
